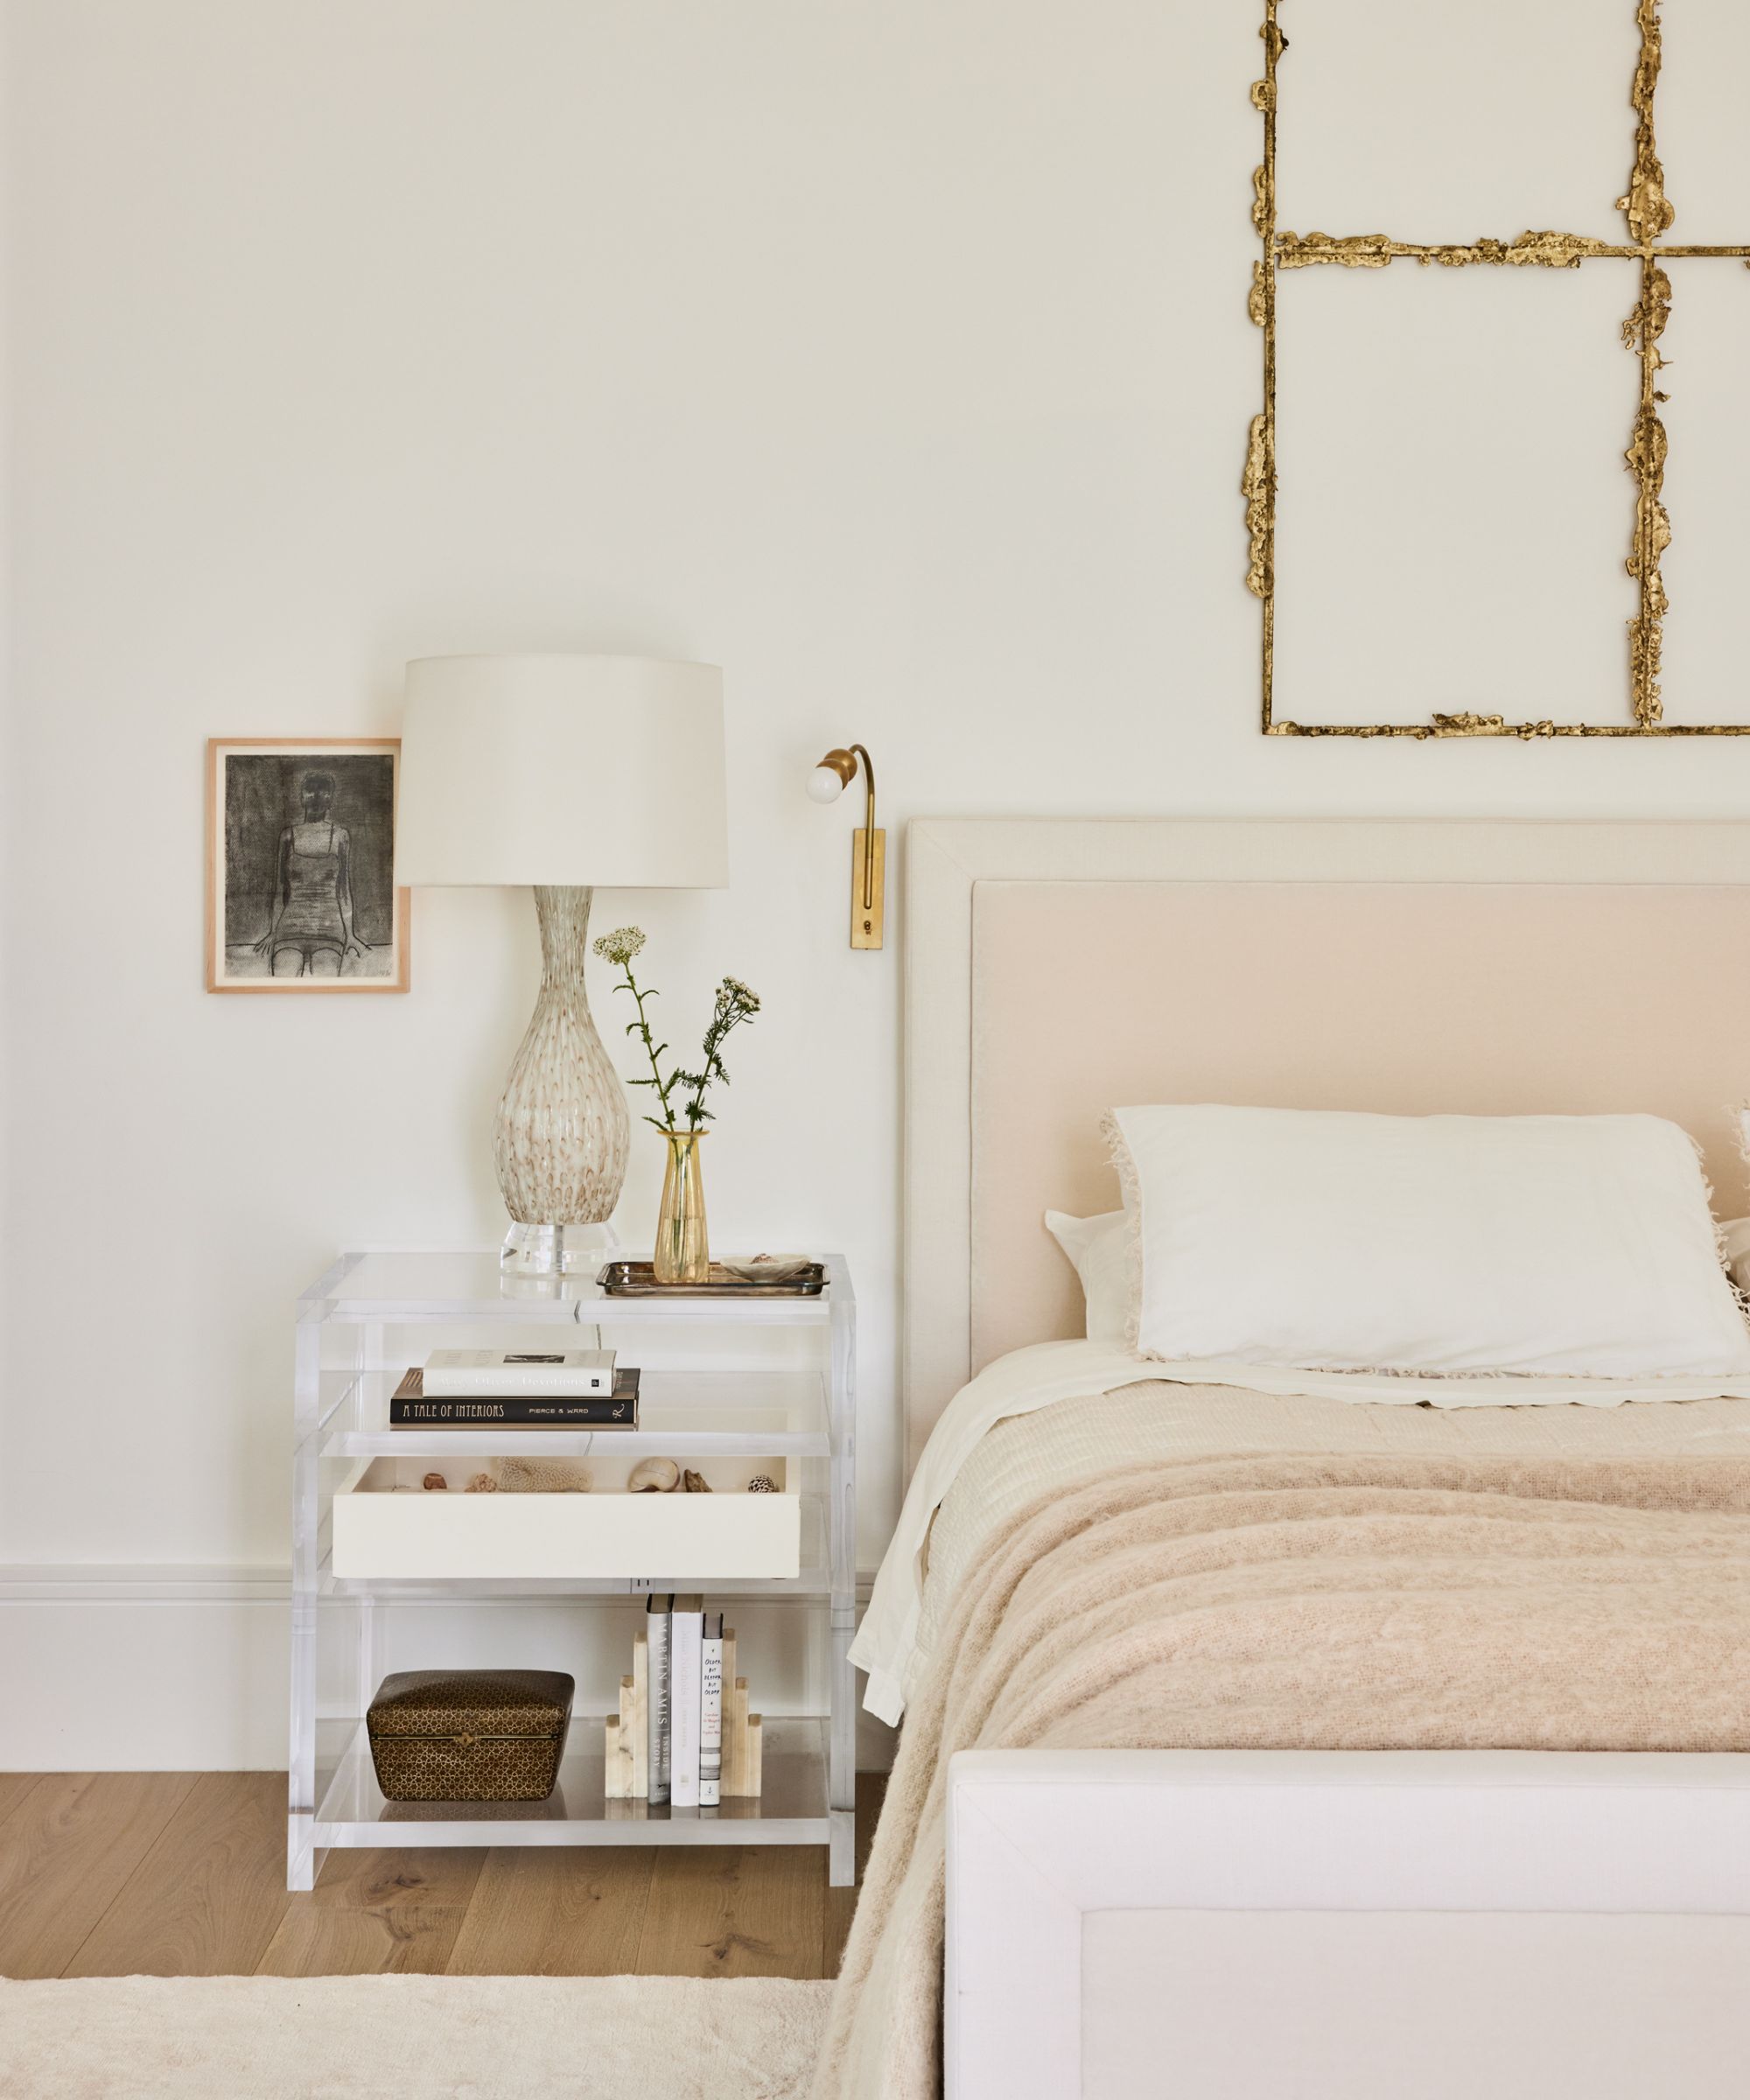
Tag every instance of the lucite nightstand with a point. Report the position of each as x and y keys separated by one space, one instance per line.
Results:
x=760 y=1378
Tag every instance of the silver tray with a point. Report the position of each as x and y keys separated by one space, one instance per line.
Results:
x=638 y=1279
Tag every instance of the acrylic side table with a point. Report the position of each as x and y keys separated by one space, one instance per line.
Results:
x=359 y=1326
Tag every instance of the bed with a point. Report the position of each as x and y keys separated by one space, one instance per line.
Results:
x=1208 y=1918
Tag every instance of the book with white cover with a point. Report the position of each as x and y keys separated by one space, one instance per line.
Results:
x=503 y=1374
x=711 y=1712
x=686 y=1637
x=657 y=1609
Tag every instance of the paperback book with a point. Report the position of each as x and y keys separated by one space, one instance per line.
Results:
x=686 y=1636
x=711 y=1711
x=497 y=1373
x=658 y=1611
x=412 y=1405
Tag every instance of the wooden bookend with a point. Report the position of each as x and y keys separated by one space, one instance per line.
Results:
x=756 y=1747
x=621 y=1775
x=628 y=1734
x=726 y=1785
x=735 y=1735
x=637 y=1718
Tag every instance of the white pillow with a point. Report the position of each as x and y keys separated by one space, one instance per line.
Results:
x=1096 y=1247
x=1565 y=1245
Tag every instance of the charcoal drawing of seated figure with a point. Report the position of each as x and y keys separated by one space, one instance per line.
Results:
x=310 y=932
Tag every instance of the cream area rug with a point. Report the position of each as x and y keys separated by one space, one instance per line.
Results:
x=410 y=2038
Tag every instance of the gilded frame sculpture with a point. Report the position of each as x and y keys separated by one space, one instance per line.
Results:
x=1648 y=214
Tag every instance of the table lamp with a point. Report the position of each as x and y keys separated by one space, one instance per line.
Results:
x=564 y=773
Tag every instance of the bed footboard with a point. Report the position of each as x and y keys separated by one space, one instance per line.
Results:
x=1347 y=1925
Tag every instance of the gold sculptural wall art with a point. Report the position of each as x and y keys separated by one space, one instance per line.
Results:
x=1648 y=214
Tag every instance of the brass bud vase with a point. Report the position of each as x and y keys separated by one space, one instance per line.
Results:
x=682 y=1248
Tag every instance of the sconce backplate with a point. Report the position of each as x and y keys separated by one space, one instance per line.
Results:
x=867 y=922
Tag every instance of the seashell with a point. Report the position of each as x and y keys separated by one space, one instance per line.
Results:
x=768 y=1268
x=695 y=1483
x=544 y=1476
x=762 y=1483
x=434 y=1480
x=653 y=1476
x=483 y=1483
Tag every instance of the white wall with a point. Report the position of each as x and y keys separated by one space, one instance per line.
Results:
x=893 y=356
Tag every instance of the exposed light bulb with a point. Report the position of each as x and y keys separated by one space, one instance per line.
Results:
x=824 y=785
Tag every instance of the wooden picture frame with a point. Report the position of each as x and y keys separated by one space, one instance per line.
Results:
x=301 y=895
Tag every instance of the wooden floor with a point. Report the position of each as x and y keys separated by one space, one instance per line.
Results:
x=182 y=1873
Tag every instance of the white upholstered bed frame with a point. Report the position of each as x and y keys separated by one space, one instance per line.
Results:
x=1320 y=1924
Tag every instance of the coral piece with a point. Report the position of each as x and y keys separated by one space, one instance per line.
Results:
x=544 y=1476
x=434 y=1481
x=483 y=1483
x=654 y=1476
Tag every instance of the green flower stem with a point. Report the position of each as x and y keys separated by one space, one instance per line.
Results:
x=641 y=1029
x=729 y=1014
x=734 y=1004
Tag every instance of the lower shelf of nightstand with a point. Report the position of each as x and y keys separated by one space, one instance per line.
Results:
x=791 y=1810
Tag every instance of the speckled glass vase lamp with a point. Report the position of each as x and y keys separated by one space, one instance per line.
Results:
x=565 y=773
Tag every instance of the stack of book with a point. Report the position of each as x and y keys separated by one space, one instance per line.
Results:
x=684 y=1737
x=520 y=1389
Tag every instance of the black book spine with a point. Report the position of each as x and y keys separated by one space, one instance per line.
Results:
x=526 y=1413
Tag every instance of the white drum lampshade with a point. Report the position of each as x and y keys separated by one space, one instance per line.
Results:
x=563 y=773
x=601 y=771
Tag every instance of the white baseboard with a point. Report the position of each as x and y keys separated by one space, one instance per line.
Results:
x=154 y=1582
x=158 y=1668
x=168 y=1668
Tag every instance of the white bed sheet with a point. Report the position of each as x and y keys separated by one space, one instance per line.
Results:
x=1062 y=1410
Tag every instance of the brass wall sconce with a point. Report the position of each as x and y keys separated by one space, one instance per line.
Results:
x=868 y=847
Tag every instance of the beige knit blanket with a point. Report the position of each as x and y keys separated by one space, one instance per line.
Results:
x=1334 y=1602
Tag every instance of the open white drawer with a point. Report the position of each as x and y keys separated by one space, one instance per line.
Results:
x=386 y=1525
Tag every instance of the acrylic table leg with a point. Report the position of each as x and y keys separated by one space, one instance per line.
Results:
x=841 y=1753
x=842 y=1523
x=305 y=1519
x=841 y=1858
x=370 y=1358
x=367 y=1609
x=300 y=1858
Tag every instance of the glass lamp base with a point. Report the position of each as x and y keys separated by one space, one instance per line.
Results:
x=557 y=1249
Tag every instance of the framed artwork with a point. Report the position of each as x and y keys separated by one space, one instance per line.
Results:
x=301 y=894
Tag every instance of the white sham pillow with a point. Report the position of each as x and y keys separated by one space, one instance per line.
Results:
x=1095 y=1249
x=1578 y=1246
x=1096 y=1252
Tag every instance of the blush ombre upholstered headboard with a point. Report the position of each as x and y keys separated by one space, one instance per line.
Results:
x=1055 y=969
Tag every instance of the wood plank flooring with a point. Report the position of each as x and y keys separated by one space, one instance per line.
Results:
x=68 y=1849
x=537 y=1912
x=178 y=1873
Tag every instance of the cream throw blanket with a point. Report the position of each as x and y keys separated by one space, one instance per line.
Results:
x=1335 y=1602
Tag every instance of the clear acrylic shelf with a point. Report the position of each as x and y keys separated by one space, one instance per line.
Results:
x=398 y=1287
x=790 y=1809
x=700 y=1414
